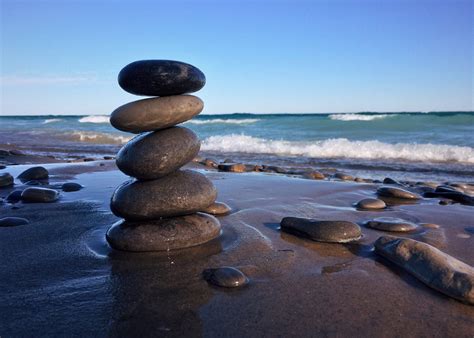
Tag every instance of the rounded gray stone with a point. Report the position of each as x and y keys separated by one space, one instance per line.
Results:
x=322 y=231
x=163 y=234
x=12 y=221
x=391 y=224
x=34 y=173
x=371 y=204
x=155 y=113
x=39 y=195
x=227 y=277
x=156 y=154
x=6 y=180
x=179 y=193
x=218 y=208
x=397 y=193
x=71 y=186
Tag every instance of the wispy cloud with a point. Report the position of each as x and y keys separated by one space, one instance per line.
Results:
x=72 y=79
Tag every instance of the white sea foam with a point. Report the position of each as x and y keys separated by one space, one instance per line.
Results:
x=94 y=119
x=224 y=121
x=341 y=148
x=359 y=117
x=92 y=137
x=51 y=121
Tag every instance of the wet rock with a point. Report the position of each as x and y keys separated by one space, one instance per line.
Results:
x=430 y=225
x=2 y=166
x=88 y=159
x=446 y=188
x=227 y=277
x=371 y=204
x=16 y=152
x=4 y=153
x=274 y=169
x=209 y=163
x=228 y=160
x=314 y=175
x=163 y=234
x=39 y=195
x=454 y=195
x=6 y=180
x=433 y=267
x=71 y=186
x=108 y=157
x=155 y=113
x=14 y=196
x=389 y=180
x=397 y=193
x=179 y=193
x=445 y=202
x=232 y=167
x=12 y=221
x=322 y=231
x=344 y=177
x=156 y=154
x=391 y=224
x=218 y=208
x=160 y=78
x=34 y=173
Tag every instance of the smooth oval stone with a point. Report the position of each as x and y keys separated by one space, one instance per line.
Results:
x=34 y=173
x=155 y=113
x=160 y=78
x=179 y=193
x=218 y=208
x=389 y=180
x=227 y=277
x=314 y=175
x=156 y=154
x=322 y=231
x=12 y=221
x=14 y=196
x=344 y=177
x=232 y=167
x=391 y=224
x=164 y=234
x=6 y=180
x=371 y=203
x=71 y=186
x=433 y=267
x=397 y=193
x=39 y=195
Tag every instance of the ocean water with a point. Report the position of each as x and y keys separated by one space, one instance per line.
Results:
x=423 y=144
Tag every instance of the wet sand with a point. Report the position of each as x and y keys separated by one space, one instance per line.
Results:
x=61 y=278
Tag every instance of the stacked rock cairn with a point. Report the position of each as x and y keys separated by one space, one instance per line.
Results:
x=161 y=205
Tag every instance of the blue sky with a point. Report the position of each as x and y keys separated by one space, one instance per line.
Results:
x=63 y=57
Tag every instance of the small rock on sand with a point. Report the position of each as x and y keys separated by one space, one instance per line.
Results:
x=371 y=204
x=14 y=196
x=34 y=173
x=397 y=193
x=344 y=177
x=39 y=195
x=389 y=180
x=391 y=224
x=232 y=167
x=71 y=186
x=314 y=175
x=433 y=267
x=12 y=221
x=4 y=153
x=227 y=277
x=209 y=163
x=6 y=180
x=217 y=208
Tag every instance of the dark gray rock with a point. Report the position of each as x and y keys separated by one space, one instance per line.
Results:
x=156 y=154
x=392 y=192
x=39 y=195
x=71 y=186
x=322 y=231
x=433 y=267
x=389 y=180
x=218 y=208
x=160 y=78
x=14 y=196
x=371 y=204
x=391 y=224
x=6 y=180
x=227 y=277
x=2 y=166
x=34 y=173
x=179 y=193
x=12 y=221
x=454 y=195
x=155 y=113
x=4 y=153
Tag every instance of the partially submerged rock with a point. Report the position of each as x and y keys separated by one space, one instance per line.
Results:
x=397 y=193
x=391 y=224
x=217 y=208
x=12 y=221
x=6 y=180
x=227 y=277
x=71 y=186
x=371 y=204
x=232 y=167
x=39 y=195
x=34 y=173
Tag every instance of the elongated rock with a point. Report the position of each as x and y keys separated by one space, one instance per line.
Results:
x=371 y=204
x=179 y=193
x=39 y=195
x=397 y=193
x=156 y=154
x=34 y=173
x=227 y=277
x=155 y=113
x=433 y=267
x=6 y=180
x=391 y=224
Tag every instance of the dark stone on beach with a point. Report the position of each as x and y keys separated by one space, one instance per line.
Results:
x=454 y=195
x=179 y=193
x=14 y=196
x=4 y=153
x=6 y=180
x=34 y=173
x=39 y=195
x=433 y=267
x=88 y=159
x=274 y=169
x=232 y=167
x=163 y=234
x=344 y=177
x=108 y=157
x=209 y=163
x=16 y=152
x=371 y=203
x=391 y=224
x=156 y=154
x=71 y=186
x=218 y=208
x=397 y=193
x=155 y=113
x=389 y=180
x=160 y=78
x=446 y=188
x=322 y=231
x=2 y=166
x=228 y=160
x=12 y=221
x=314 y=175
x=227 y=277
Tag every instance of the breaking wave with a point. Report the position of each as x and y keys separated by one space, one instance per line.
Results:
x=100 y=138
x=94 y=119
x=224 y=121
x=359 y=117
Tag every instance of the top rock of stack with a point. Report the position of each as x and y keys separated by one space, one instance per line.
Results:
x=160 y=78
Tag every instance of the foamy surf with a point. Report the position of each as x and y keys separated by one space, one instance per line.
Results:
x=94 y=119
x=340 y=148
x=223 y=121
x=51 y=121
x=359 y=117
x=99 y=138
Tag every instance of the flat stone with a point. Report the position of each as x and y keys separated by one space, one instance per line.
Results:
x=179 y=193
x=344 y=177
x=163 y=234
x=322 y=231
x=155 y=113
x=160 y=78
x=391 y=224
x=14 y=196
x=397 y=193
x=6 y=180
x=71 y=186
x=218 y=208
x=156 y=154
x=232 y=167
x=371 y=203
x=227 y=277
x=39 y=195
x=12 y=221
x=314 y=175
x=433 y=267
x=34 y=173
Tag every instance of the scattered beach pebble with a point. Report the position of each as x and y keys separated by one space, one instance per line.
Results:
x=4 y=153
x=12 y=221
x=389 y=180
x=453 y=195
x=391 y=224
x=71 y=186
x=163 y=234
x=274 y=169
x=14 y=196
x=433 y=267
x=227 y=277
x=218 y=208
x=209 y=163
x=39 y=195
x=322 y=231
x=371 y=204
x=34 y=173
x=232 y=167
x=6 y=180
x=430 y=225
x=344 y=177
x=2 y=166
x=397 y=193
x=314 y=175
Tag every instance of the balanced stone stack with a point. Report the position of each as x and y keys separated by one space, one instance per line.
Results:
x=161 y=205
